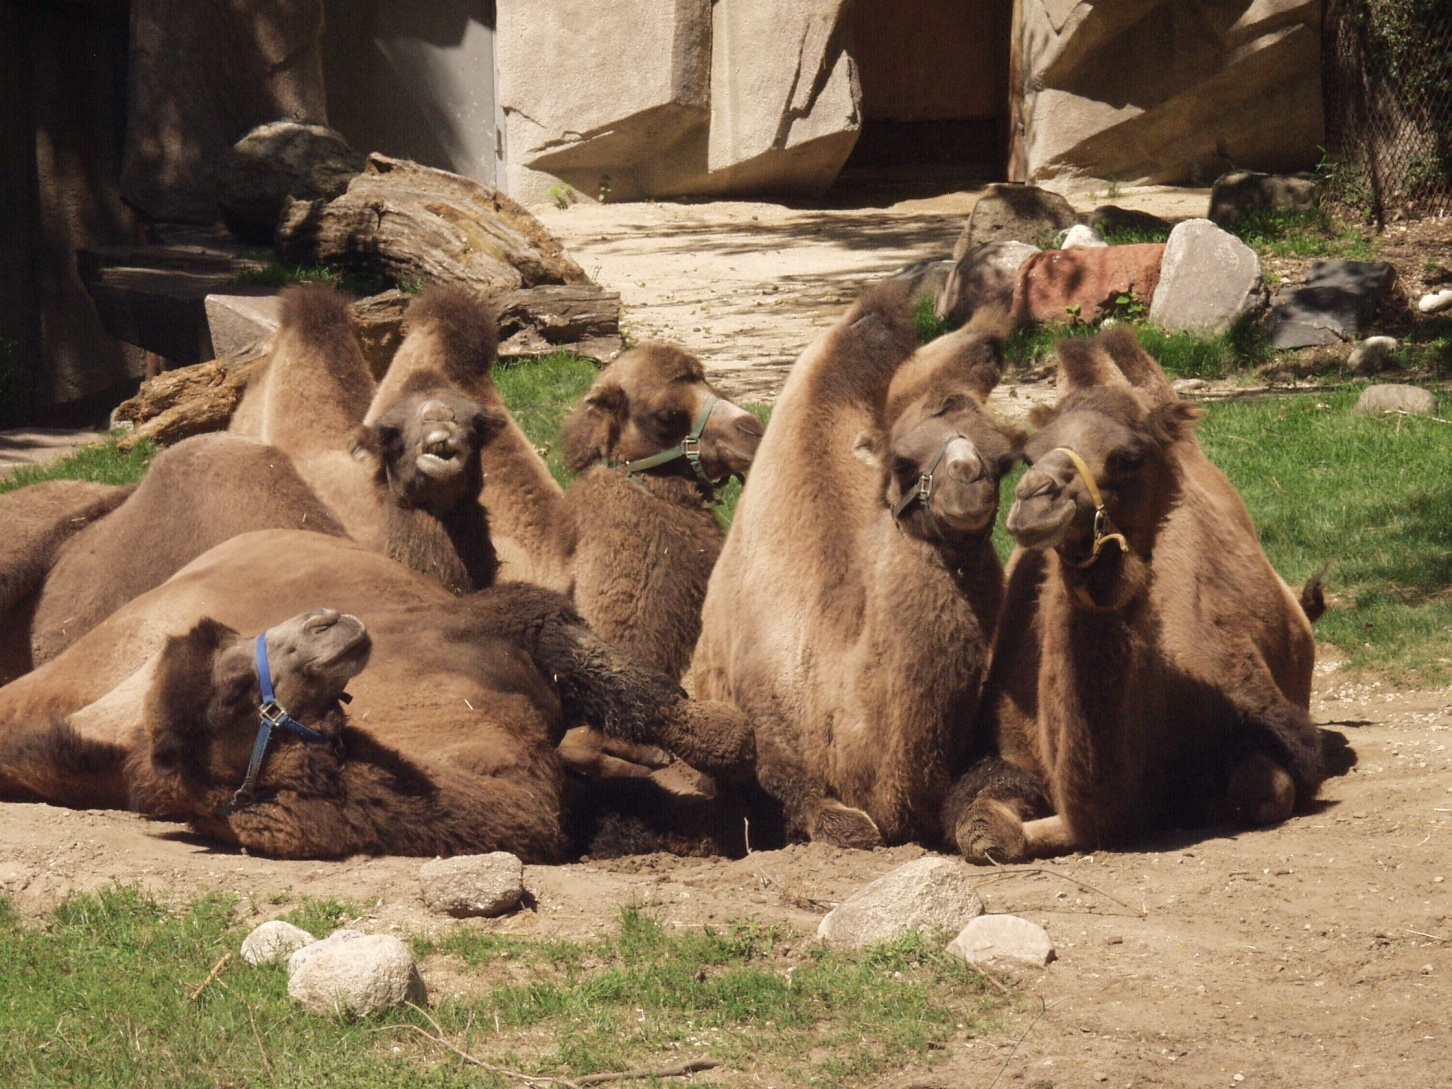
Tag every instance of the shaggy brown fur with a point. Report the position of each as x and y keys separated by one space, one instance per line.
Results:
x=197 y=494
x=636 y=553
x=314 y=392
x=452 y=330
x=38 y=521
x=425 y=449
x=643 y=546
x=1166 y=684
x=856 y=642
x=470 y=696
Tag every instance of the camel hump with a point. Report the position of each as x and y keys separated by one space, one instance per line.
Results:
x=465 y=326
x=314 y=312
x=1313 y=595
x=880 y=322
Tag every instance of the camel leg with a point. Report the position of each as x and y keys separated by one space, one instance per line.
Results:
x=1048 y=837
x=984 y=813
x=808 y=808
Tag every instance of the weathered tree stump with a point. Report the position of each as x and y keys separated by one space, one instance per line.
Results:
x=417 y=224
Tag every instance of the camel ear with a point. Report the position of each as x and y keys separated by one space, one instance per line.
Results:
x=1136 y=364
x=591 y=431
x=1017 y=437
x=1084 y=364
x=1040 y=415
x=869 y=446
x=363 y=446
x=1173 y=421
x=174 y=711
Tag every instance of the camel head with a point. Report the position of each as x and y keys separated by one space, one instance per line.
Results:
x=940 y=453
x=425 y=446
x=648 y=403
x=202 y=713
x=1111 y=433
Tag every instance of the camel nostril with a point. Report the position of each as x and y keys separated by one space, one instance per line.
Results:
x=1028 y=489
x=750 y=425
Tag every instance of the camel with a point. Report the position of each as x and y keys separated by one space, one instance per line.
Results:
x=38 y=521
x=312 y=394
x=450 y=740
x=851 y=612
x=1151 y=668
x=417 y=468
x=632 y=539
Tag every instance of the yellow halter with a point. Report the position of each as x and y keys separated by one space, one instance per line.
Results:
x=1104 y=529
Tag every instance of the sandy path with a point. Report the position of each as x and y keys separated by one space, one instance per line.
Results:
x=746 y=286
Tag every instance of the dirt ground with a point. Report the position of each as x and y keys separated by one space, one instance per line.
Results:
x=1312 y=954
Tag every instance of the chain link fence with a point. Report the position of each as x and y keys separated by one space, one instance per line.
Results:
x=1387 y=82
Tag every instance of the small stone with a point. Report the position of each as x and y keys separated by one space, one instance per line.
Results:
x=924 y=895
x=473 y=884
x=1392 y=398
x=358 y=977
x=1242 y=191
x=1080 y=236
x=1436 y=302
x=1372 y=355
x=307 y=952
x=274 y=941
x=991 y=938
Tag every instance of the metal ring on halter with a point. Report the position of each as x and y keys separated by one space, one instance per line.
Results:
x=688 y=448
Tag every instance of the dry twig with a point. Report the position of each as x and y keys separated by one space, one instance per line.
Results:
x=1043 y=1009
x=213 y=974
x=796 y=899
x=676 y=1070
x=266 y=1062
x=1006 y=871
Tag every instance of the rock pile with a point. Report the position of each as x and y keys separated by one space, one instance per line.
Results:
x=348 y=973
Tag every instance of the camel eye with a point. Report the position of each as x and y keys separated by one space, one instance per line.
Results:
x=1126 y=461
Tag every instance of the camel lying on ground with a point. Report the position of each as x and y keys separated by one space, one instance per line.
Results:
x=450 y=742
x=1151 y=667
x=417 y=467
x=852 y=609
x=632 y=539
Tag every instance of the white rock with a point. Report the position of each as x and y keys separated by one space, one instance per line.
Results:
x=926 y=894
x=1080 y=236
x=1372 y=354
x=273 y=941
x=307 y=952
x=1208 y=279
x=473 y=884
x=991 y=938
x=358 y=977
x=1436 y=302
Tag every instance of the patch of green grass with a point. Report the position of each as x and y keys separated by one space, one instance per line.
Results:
x=97 y=993
x=1133 y=236
x=540 y=392
x=1182 y=355
x=926 y=323
x=103 y=463
x=1312 y=233
x=1369 y=495
x=362 y=284
x=1428 y=347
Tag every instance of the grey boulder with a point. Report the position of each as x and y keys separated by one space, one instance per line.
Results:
x=296 y=960
x=991 y=939
x=1242 y=191
x=358 y=977
x=468 y=885
x=1209 y=279
x=1393 y=399
x=1334 y=304
x=1080 y=236
x=273 y=162
x=1007 y=212
x=1372 y=355
x=924 y=895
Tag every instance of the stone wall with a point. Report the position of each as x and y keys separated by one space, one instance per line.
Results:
x=1167 y=91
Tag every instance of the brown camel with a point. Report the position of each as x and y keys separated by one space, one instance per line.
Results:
x=633 y=542
x=38 y=521
x=312 y=394
x=468 y=696
x=1152 y=669
x=852 y=609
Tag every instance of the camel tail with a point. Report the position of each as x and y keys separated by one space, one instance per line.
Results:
x=1313 y=595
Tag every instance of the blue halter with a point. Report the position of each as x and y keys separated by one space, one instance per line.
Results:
x=273 y=715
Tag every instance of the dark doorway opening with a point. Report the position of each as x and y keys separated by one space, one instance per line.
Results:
x=934 y=97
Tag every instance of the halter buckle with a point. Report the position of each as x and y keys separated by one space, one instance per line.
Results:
x=272 y=713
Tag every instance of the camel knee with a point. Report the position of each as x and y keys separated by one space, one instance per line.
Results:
x=1261 y=792
x=990 y=831
x=842 y=826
